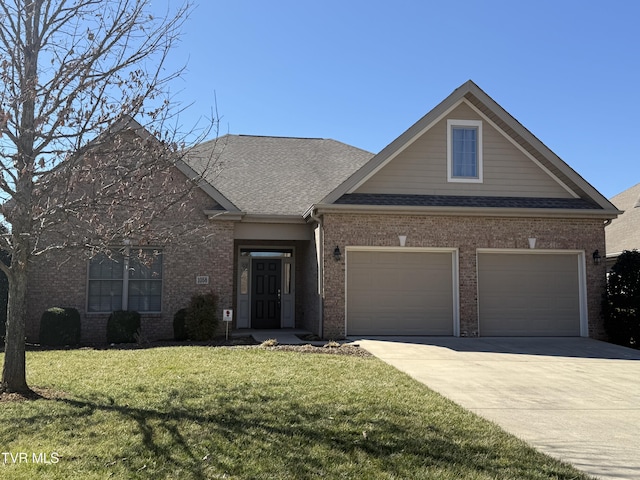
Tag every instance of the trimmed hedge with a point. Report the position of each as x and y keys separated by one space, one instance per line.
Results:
x=622 y=301
x=202 y=317
x=123 y=327
x=179 y=325
x=60 y=327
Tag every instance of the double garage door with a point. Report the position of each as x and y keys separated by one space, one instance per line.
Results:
x=416 y=293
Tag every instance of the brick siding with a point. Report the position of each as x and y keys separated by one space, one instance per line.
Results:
x=198 y=247
x=466 y=234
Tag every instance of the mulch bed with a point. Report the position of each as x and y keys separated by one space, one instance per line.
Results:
x=352 y=350
x=233 y=342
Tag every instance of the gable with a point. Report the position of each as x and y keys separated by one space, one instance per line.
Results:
x=520 y=173
x=133 y=133
x=421 y=168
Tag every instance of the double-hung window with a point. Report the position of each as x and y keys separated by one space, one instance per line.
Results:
x=130 y=279
x=464 y=151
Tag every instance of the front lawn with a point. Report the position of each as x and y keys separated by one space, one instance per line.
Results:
x=243 y=413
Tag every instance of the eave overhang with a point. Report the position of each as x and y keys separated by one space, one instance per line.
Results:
x=267 y=218
x=254 y=218
x=321 y=209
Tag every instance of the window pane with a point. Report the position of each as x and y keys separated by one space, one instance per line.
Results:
x=145 y=295
x=104 y=267
x=105 y=283
x=465 y=152
x=287 y=278
x=145 y=281
x=145 y=264
x=244 y=279
x=105 y=295
x=145 y=303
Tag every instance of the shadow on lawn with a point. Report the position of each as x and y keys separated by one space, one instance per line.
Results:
x=259 y=440
x=235 y=341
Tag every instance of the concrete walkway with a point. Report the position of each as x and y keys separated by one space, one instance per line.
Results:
x=575 y=399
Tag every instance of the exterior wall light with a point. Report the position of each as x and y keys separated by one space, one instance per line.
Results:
x=337 y=254
x=597 y=258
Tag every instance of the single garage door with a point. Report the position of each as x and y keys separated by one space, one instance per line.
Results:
x=399 y=293
x=529 y=294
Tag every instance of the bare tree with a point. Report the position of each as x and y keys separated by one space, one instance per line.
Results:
x=75 y=169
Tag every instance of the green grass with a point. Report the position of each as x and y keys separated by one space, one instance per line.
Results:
x=200 y=413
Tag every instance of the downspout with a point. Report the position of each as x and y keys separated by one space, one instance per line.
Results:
x=320 y=247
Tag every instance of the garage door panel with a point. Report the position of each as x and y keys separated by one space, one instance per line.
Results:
x=528 y=294
x=394 y=293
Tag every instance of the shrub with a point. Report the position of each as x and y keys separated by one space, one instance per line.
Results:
x=60 y=326
x=179 y=325
x=201 y=318
x=622 y=302
x=123 y=327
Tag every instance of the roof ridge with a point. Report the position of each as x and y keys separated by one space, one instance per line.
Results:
x=279 y=136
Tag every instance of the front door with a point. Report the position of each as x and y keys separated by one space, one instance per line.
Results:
x=266 y=281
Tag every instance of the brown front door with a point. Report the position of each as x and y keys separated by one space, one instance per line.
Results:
x=266 y=281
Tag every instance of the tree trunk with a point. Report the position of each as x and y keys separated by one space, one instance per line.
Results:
x=14 y=368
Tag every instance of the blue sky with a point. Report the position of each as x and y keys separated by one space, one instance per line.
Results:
x=362 y=72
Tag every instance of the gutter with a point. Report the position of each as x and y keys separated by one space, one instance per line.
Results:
x=254 y=218
x=224 y=215
x=273 y=218
x=466 y=211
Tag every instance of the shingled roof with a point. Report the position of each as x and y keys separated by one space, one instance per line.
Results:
x=276 y=175
x=624 y=232
x=463 y=201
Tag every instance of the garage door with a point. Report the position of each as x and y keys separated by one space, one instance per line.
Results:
x=528 y=294
x=399 y=293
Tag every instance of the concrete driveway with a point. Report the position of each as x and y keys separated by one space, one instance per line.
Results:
x=576 y=399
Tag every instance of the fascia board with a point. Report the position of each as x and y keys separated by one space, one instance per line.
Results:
x=522 y=150
x=289 y=219
x=466 y=211
x=128 y=122
x=397 y=146
x=209 y=189
x=545 y=151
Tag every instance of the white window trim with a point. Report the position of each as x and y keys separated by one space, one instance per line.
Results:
x=463 y=123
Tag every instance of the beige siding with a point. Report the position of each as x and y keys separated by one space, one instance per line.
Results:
x=421 y=169
x=272 y=231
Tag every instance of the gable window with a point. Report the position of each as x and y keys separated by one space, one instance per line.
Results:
x=464 y=151
x=126 y=280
